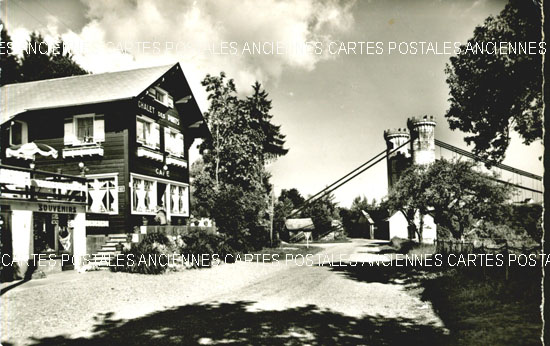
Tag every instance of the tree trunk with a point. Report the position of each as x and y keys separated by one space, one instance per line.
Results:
x=420 y=230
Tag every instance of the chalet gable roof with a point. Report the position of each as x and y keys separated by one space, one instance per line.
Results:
x=77 y=90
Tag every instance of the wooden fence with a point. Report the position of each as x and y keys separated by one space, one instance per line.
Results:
x=494 y=246
x=488 y=246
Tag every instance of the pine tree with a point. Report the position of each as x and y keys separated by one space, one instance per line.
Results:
x=8 y=61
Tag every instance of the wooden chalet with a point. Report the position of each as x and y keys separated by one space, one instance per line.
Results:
x=127 y=133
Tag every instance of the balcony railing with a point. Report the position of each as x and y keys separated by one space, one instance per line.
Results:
x=36 y=185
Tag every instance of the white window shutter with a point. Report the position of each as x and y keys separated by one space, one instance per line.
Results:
x=69 y=137
x=155 y=135
x=170 y=101
x=99 y=128
x=179 y=143
x=167 y=140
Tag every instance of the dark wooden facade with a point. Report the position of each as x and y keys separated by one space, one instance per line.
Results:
x=120 y=146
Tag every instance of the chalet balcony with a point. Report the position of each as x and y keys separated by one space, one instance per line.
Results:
x=84 y=150
x=17 y=183
x=176 y=161
x=150 y=154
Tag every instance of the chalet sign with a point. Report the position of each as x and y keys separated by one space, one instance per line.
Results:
x=151 y=110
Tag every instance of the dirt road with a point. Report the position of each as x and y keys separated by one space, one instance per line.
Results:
x=287 y=302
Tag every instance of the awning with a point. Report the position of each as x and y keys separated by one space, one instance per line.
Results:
x=28 y=151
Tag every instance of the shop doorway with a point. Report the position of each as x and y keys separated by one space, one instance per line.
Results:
x=6 y=272
x=53 y=234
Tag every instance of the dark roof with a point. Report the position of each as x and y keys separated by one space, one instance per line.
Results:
x=76 y=90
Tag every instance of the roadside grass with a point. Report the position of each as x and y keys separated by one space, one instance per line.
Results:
x=477 y=304
x=281 y=252
x=481 y=307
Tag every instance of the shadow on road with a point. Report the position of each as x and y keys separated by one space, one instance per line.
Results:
x=232 y=323
x=382 y=273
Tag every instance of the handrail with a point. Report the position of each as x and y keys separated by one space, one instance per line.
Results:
x=36 y=171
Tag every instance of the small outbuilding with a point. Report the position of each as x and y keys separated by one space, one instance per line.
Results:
x=296 y=227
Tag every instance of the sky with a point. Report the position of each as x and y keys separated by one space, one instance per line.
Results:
x=333 y=108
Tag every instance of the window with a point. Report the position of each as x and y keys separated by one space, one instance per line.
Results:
x=179 y=200
x=173 y=142
x=103 y=194
x=18 y=133
x=161 y=96
x=147 y=132
x=148 y=193
x=143 y=130
x=84 y=129
x=144 y=199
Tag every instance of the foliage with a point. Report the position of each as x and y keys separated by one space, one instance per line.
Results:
x=491 y=94
x=293 y=195
x=9 y=66
x=407 y=197
x=239 y=215
x=458 y=196
x=36 y=63
x=287 y=201
x=152 y=246
x=350 y=217
x=526 y=217
x=453 y=192
x=202 y=190
x=234 y=154
x=197 y=242
x=231 y=183
x=322 y=211
x=259 y=106
x=517 y=223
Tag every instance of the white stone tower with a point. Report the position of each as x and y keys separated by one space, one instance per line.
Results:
x=422 y=139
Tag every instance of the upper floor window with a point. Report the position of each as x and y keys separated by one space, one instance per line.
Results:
x=147 y=132
x=84 y=129
x=173 y=141
x=162 y=96
x=18 y=133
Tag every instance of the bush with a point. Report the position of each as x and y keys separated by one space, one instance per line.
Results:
x=239 y=215
x=402 y=245
x=197 y=242
x=151 y=247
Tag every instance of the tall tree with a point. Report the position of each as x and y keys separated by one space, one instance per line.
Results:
x=492 y=94
x=453 y=192
x=9 y=66
x=293 y=195
x=407 y=197
x=40 y=62
x=322 y=211
x=233 y=183
x=259 y=107
x=458 y=196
